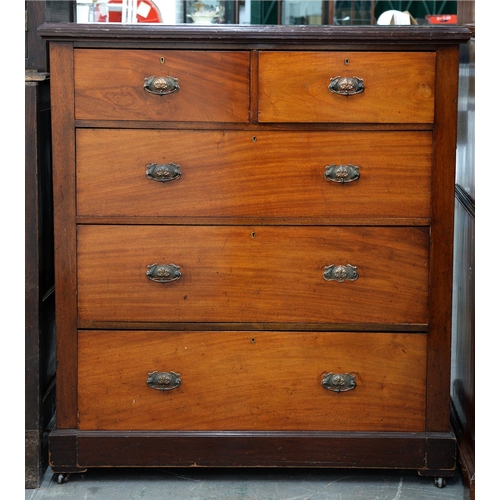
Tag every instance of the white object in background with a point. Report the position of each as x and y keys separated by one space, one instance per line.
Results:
x=129 y=11
x=394 y=17
x=143 y=9
x=84 y=11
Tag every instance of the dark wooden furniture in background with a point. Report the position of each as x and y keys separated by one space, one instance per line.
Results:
x=463 y=344
x=39 y=253
x=245 y=161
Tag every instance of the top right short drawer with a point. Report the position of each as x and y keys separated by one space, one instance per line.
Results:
x=346 y=87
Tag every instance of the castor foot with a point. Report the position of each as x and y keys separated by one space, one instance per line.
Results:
x=439 y=482
x=62 y=478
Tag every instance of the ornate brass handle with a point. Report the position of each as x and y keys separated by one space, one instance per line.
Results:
x=161 y=85
x=341 y=273
x=163 y=273
x=164 y=172
x=342 y=173
x=344 y=85
x=163 y=381
x=338 y=382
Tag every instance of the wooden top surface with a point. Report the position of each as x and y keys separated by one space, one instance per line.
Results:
x=287 y=37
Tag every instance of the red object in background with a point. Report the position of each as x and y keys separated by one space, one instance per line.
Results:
x=442 y=19
x=146 y=13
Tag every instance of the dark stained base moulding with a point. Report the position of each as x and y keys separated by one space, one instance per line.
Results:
x=431 y=454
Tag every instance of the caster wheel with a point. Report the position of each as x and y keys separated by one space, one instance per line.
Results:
x=439 y=482
x=62 y=478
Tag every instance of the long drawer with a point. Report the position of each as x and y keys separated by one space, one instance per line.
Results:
x=190 y=86
x=251 y=380
x=253 y=274
x=397 y=87
x=253 y=173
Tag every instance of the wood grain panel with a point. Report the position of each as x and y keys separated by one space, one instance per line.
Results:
x=253 y=173
x=248 y=380
x=441 y=247
x=64 y=184
x=253 y=274
x=214 y=86
x=399 y=87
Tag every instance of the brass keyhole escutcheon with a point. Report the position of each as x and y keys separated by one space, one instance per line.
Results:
x=346 y=61
x=162 y=60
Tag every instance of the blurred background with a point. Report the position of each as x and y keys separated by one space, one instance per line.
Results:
x=287 y=12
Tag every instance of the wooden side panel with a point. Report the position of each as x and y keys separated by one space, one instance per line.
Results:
x=63 y=164
x=214 y=86
x=441 y=248
x=399 y=87
x=251 y=381
x=253 y=274
x=253 y=173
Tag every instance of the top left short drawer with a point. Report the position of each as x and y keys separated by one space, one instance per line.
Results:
x=186 y=86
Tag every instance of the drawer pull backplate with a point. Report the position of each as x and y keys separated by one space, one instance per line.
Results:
x=164 y=172
x=342 y=173
x=344 y=85
x=338 y=382
x=161 y=85
x=163 y=273
x=163 y=381
x=341 y=273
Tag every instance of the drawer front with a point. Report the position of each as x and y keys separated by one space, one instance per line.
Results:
x=250 y=381
x=398 y=87
x=253 y=173
x=212 y=86
x=252 y=274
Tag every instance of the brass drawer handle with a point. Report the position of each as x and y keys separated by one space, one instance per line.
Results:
x=161 y=85
x=163 y=273
x=341 y=273
x=344 y=85
x=163 y=381
x=341 y=173
x=338 y=382
x=164 y=172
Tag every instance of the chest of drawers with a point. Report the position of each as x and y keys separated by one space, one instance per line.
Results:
x=253 y=245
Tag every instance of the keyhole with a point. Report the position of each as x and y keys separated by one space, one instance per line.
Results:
x=254 y=139
x=346 y=61
x=252 y=234
x=162 y=60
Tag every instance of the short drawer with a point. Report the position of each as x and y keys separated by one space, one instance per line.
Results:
x=251 y=381
x=253 y=173
x=398 y=87
x=250 y=274
x=191 y=86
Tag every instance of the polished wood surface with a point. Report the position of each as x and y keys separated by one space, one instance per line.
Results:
x=253 y=173
x=75 y=450
x=441 y=245
x=293 y=87
x=261 y=274
x=213 y=85
x=261 y=271
x=251 y=381
x=326 y=38
x=63 y=166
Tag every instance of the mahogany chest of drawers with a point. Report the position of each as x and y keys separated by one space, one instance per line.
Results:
x=253 y=245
